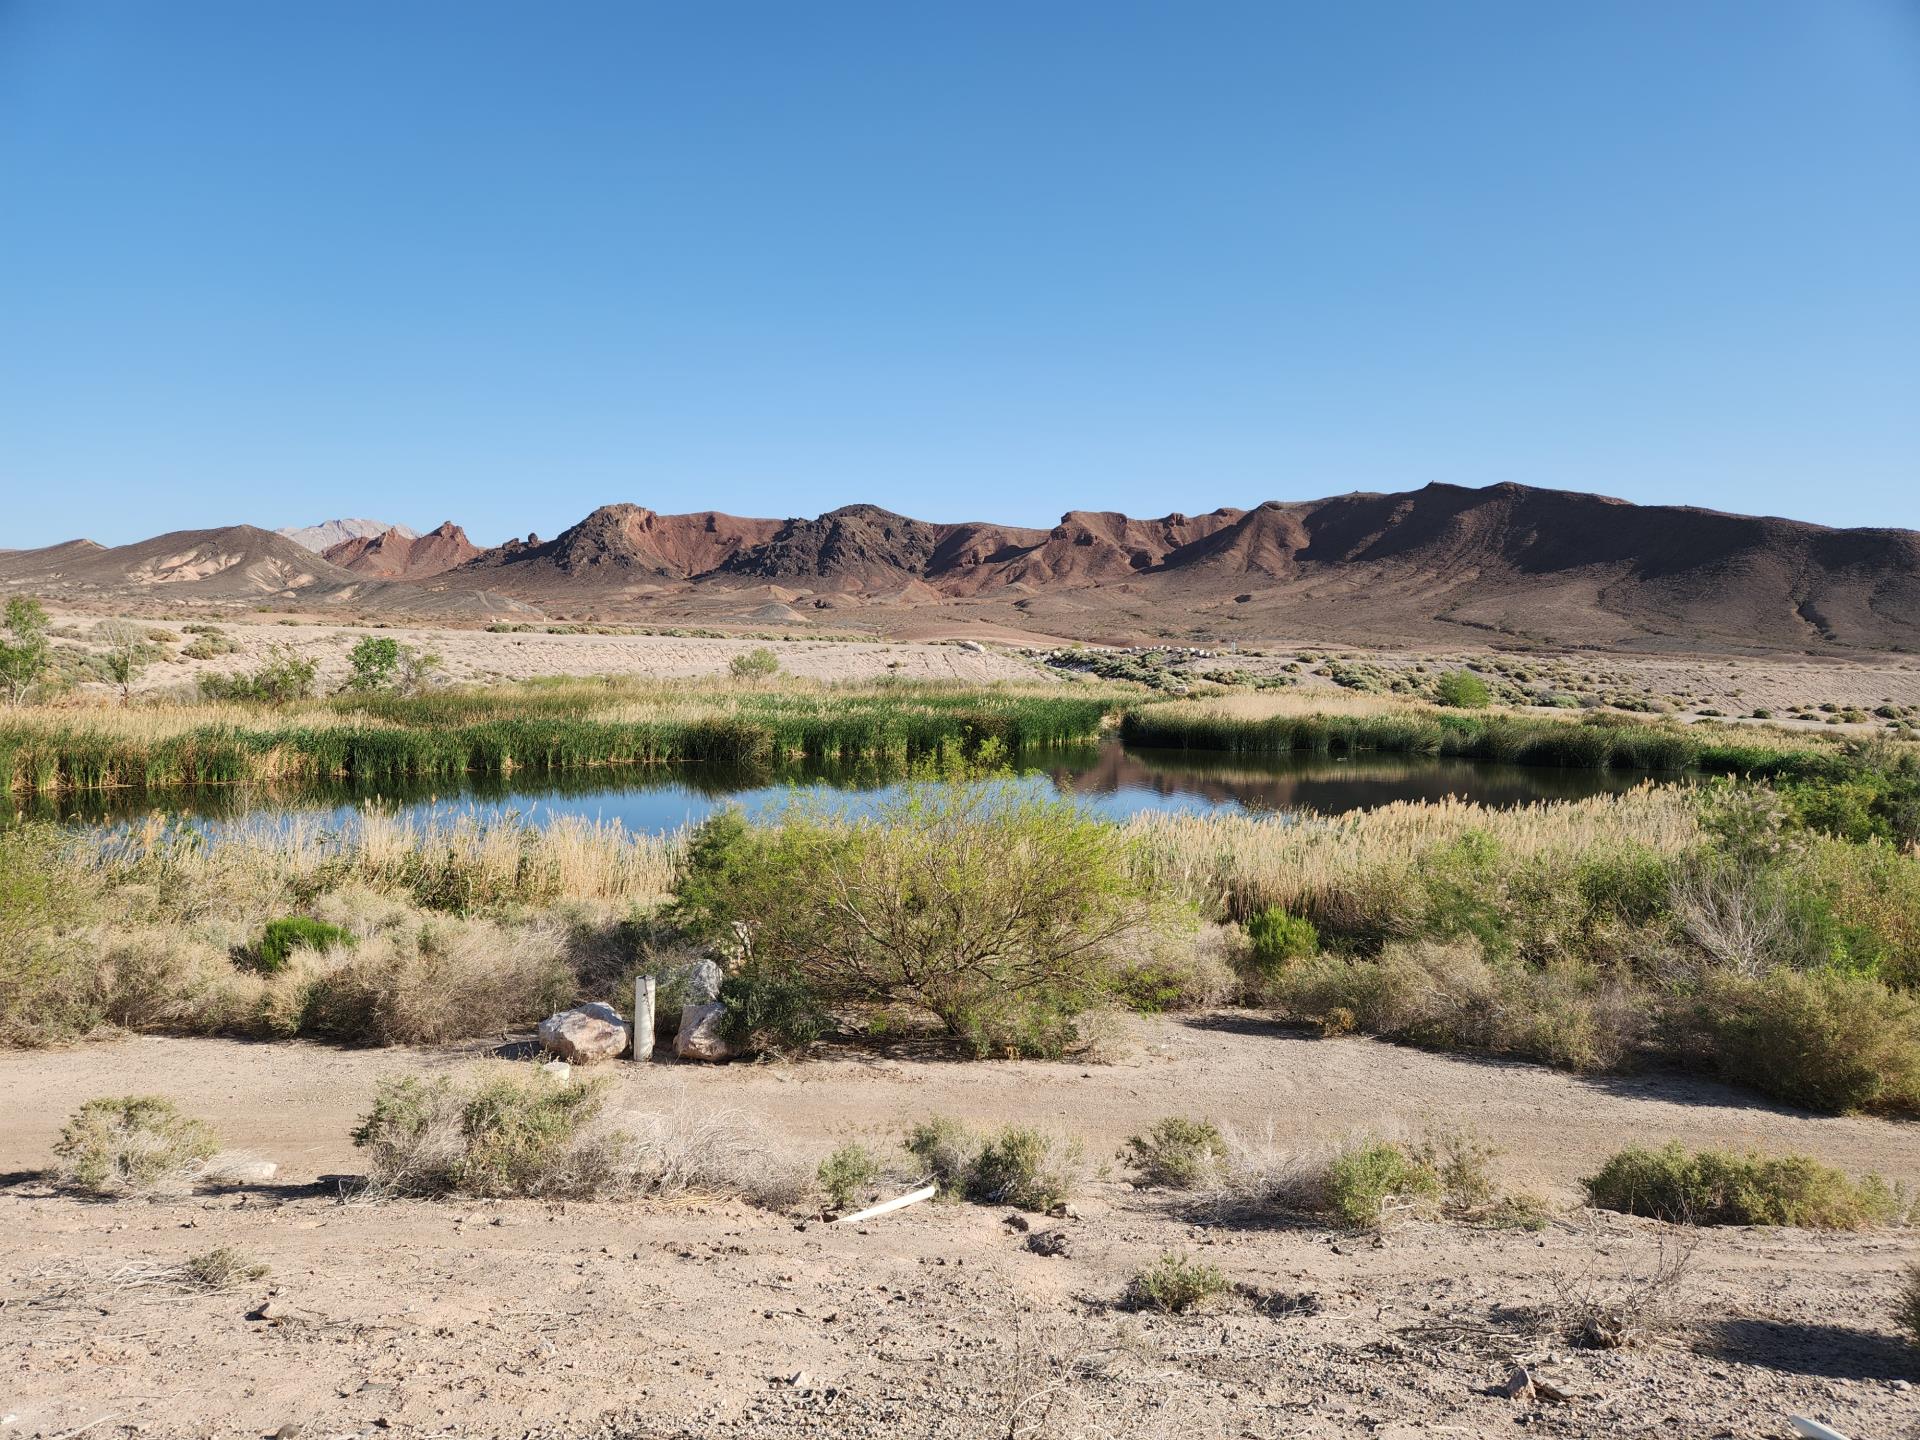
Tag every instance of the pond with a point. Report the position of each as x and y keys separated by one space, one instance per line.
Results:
x=1110 y=779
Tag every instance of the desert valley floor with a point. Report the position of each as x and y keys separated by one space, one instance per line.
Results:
x=687 y=1320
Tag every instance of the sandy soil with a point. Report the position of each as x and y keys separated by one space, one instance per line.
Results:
x=630 y=1320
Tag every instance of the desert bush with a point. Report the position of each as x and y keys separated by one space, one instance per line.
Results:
x=1449 y=996
x=756 y=664
x=1015 y=1165
x=717 y=1153
x=1278 y=939
x=1462 y=690
x=130 y=1142
x=1179 y=1153
x=282 y=937
x=282 y=678
x=1365 y=1182
x=768 y=1010
x=437 y=980
x=496 y=1135
x=847 y=1174
x=1158 y=971
x=947 y=1150
x=1175 y=1284
x=997 y=912
x=1824 y=1039
x=1027 y=1168
x=222 y=1268
x=1720 y=1187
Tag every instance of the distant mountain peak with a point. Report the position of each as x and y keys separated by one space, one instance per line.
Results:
x=319 y=538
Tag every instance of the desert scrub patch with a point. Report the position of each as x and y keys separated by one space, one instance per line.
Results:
x=1175 y=1284
x=280 y=938
x=1824 y=1039
x=499 y=1135
x=1722 y=1187
x=221 y=1268
x=131 y=1142
x=1366 y=1182
x=506 y=1132
x=1015 y=1165
x=1178 y=1152
x=847 y=1174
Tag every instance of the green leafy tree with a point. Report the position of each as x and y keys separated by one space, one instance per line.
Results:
x=1463 y=690
x=373 y=662
x=24 y=653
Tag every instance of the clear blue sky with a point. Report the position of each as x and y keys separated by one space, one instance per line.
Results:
x=505 y=262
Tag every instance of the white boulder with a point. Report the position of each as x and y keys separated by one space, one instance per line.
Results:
x=585 y=1034
x=700 y=1037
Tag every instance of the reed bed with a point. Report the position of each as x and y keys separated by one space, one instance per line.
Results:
x=1270 y=725
x=1237 y=865
x=446 y=734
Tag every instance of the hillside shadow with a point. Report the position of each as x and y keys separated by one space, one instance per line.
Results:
x=1833 y=1352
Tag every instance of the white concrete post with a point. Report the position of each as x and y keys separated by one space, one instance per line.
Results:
x=642 y=1017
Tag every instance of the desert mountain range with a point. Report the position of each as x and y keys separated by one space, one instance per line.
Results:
x=1441 y=565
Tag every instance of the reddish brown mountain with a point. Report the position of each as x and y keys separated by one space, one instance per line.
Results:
x=399 y=554
x=1433 y=565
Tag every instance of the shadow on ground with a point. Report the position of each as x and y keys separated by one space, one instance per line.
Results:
x=1833 y=1352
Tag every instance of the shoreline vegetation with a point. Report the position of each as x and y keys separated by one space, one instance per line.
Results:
x=1763 y=927
x=557 y=725
x=1599 y=741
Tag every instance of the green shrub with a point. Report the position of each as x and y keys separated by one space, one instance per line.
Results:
x=499 y=1136
x=1365 y=1179
x=282 y=937
x=847 y=1173
x=1174 y=1284
x=1025 y=1168
x=1015 y=1166
x=1279 y=938
x=997 y=912
x=1720 y=1187
x=1824 y=1039
x=1179 y=1153
x=768 y=1010
x=757 y=664
x=1462 y=690
x=283 y=678
x=947 y=1149
x=130 y=1142
x=372 y=662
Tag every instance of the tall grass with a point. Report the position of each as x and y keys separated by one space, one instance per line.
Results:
x=447 y=734
x=1269 y=726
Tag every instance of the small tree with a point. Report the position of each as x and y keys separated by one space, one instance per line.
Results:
x=373 y=662
x=127 y=653
x=417 y=669
x=23 y=653
x=1463 y=690
x=755 y=664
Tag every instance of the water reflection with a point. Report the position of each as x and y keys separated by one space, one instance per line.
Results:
x=1111 y=779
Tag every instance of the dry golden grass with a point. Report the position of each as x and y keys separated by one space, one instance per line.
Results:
x=1238 y=863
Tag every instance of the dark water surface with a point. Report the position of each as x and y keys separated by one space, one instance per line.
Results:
x=1109 y=778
